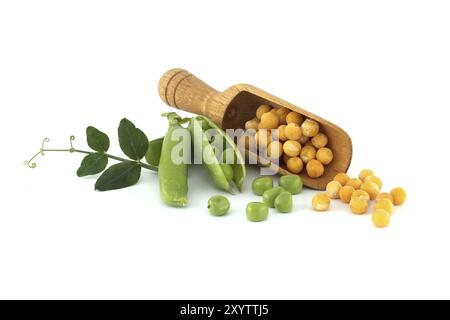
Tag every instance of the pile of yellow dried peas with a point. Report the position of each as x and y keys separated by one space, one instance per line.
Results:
x=358 y=192
x=287 y=135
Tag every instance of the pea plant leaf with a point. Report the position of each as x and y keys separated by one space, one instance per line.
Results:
x=92 y=164
x=118 y=176
x=133 y=141
x=97 y=140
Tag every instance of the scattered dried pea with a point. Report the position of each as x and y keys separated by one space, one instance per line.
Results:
x=354 y=182
x=384 y=195
x=321 y=202
x=342 y=178
x=385 y=204
x=365 y=173
x=333 y=189
x=398 y=195
x=381 y=218
x=361 y=194
x=257 y=211
x=359 y=205
x=345 y=194
x=283 y=202
x=261 y=184
x=371 y=188
x=375 y=179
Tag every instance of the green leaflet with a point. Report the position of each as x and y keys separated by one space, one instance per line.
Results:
x=133 y=141
x=118 y=176
x=92 y=164
x=154 y=151
x=97 y=140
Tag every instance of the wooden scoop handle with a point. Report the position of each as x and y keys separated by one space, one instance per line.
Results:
x=182 y=90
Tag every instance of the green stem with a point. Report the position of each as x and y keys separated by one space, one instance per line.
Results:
x=143 y=165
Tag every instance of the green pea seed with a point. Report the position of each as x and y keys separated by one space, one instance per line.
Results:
x=218 y=205
x=257 y=211
x=292 y=183
x=283 y=203
x=227 y=171
x=261 y=184
x=270 y=195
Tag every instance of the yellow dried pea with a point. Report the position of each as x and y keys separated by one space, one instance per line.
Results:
x=292 y=148
x=275 y=150
x=307 y=153
x=381 y=218
x=345 y=194
x=333 y=189
x=294 y=117
x=280 y=133
x=374 y=178
x=398 y=196
x=294 y=165
x=385 y=204
x=264 y=108
x=303 y=139
x=310 y=128
x=342 y=178
x=315 y=168
x=263 y=138
x=319 y=141
x=293 y=131
x=359 y=205
x=269 y=120
x=365 y=173
x=361 y=194
x=324 y=155
x=384 y=195
x=282 y=113
x=321 y=202
x=354 y=182
x=252 y=124
x=371 y=188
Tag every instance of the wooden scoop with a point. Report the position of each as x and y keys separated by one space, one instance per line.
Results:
x=232 y=108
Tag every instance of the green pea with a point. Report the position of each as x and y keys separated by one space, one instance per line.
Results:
x=261 y=184
x=227 y=171
x=257 y=211
x=292 y=183
x=270 y=195
x=218 y=205
x=283 y=203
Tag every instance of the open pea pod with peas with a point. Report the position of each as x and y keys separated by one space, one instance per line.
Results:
x=218 y=153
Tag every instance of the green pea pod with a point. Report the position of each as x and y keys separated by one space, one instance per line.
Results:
x=154 y=151
x=239 y=166
x=173 y=175
x=203 y=148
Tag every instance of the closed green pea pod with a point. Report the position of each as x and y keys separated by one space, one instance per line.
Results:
x=173 y=178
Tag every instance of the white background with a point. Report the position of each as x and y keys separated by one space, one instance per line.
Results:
x=379 y=69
